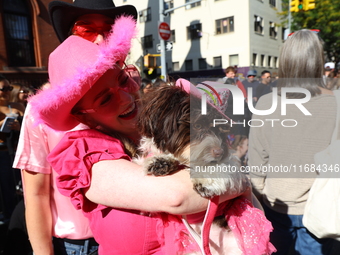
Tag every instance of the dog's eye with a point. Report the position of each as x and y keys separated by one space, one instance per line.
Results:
x=197 y=126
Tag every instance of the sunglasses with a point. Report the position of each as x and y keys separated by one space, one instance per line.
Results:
x=316 y=31
x=105 y=103
x=89 y=31
x=6 y=88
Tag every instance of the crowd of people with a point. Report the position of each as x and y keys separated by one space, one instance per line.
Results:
x=83 y=194
x=13 y=100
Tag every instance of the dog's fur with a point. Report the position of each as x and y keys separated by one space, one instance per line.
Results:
x=176 y=133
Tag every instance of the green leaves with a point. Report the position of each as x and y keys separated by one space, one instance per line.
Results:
x=326 y=18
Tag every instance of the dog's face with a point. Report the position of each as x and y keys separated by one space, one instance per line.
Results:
x=208 y=144
x=173 y=119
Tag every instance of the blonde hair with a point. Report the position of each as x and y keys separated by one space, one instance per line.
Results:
x=301 y=62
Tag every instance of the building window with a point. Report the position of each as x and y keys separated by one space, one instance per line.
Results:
x=173 y=36
x=258 y=24
x=18 y=33
x=169 y=5
x=145 y=15
x=283 y=30
x=218 y=62
x=202 y=64
x=272 y=3
x=233 y=60
x=189 y=6
x=269 y=63
x=194 y=31
x=275 y=62
x=175 y=66
x=272 y=30
x=147 y=41
x=254 y=59
x=188 y=65
x=225 y=25
x=262 y=60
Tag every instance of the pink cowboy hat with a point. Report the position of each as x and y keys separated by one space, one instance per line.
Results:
x=73 y=69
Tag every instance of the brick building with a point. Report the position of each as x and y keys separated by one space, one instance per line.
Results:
x=26 y=40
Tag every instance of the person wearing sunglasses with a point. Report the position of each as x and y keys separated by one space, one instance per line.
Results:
x=7 y=146
x=54 y=225
x=19 y=93
x=94 y=165
x=282 y=193
x=264 y=86
x=88 y=19
x=251 y=82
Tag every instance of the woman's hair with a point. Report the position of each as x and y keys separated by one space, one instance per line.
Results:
x=238 y=140
x=301 y=62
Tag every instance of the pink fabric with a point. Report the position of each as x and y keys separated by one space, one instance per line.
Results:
x=174 y=237
x=250 y=227
x=35 y=143
x=209 y=218
x=118 y=232
x=199 y=217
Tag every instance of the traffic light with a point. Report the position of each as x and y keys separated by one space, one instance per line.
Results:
x=302 y=5
x=150 y=60
x=308 y=5
x=294 y=5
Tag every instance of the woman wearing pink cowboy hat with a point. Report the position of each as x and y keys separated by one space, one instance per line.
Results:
x=89 y=85
x=53 y=224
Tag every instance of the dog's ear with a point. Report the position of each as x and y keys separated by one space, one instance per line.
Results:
x=164 y=111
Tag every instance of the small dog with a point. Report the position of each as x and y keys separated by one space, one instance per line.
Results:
x=176 y=134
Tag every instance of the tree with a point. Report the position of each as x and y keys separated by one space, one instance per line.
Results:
x=326 y=18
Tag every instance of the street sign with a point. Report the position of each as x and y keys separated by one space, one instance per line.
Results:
x=164 y=31
x=168 y=46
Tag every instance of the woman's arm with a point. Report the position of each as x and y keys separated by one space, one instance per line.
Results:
x=123 y=184
x=38 y=212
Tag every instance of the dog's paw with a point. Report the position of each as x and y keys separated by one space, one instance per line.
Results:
x=160 y=166
x=209 y=187
x=203 y=191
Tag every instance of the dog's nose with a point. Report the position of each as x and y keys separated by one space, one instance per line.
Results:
x=217 y=152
